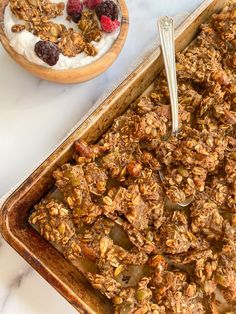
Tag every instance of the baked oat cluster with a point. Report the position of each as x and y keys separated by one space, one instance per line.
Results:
x=149 y=254
x=37 y=17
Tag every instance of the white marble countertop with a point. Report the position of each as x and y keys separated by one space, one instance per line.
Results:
x=35 y=116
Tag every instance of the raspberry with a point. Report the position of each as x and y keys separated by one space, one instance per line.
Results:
x=74 y=9
x=47 y=51
x=91 y=4
x=107 y=8
x=108 y=25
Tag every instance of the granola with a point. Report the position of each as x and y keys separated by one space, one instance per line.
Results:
x=89 y=26
x=53 y=221
x=36 y=11
x=71 y=43
x=48 y=31
x=80 y=30
x=149 y=254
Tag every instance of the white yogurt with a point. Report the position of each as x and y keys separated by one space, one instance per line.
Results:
x=24 y=42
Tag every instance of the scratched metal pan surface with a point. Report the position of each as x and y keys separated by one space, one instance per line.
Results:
x=41 y=255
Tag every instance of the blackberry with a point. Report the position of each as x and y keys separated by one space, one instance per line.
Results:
x=47 y=51
x=75 y=17
x=107 y=8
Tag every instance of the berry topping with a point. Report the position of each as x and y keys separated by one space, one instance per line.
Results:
x=74 y=9
x=47 y=51
x=75 y=17
x=107 y=8
x=91 y=4
x=108 y=25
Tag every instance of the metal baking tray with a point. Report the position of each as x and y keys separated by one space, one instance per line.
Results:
x=14 y=226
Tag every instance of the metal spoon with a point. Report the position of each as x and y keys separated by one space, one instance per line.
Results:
x=166 y=30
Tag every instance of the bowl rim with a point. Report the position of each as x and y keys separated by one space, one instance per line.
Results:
x=71 y=75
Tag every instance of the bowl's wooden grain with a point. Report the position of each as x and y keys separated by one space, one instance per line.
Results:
x=77 y=75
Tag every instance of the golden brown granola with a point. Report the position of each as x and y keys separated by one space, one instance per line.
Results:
x=53 y=221
x=149 y=254
x=90 y=50
x=188 y=159
x=37 y=15
x=89 y=26
x=71 y=43
x=49 y=31
x=36 y=11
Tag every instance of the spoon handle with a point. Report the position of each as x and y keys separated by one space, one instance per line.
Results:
x=166 y=29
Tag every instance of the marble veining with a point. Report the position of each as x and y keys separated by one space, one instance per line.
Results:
x=35 y=116
x=14 y=284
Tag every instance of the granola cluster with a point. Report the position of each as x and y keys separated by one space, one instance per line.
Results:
x=149 y=254
x=36 y=11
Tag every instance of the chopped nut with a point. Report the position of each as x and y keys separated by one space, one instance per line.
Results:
x=134 y=169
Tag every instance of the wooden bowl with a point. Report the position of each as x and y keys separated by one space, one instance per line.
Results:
x=76 y=75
